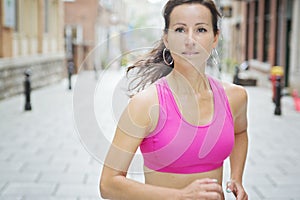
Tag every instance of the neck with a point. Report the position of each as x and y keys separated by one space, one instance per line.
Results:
x=189 y=79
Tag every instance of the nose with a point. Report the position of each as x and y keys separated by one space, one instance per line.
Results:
x=190 y=41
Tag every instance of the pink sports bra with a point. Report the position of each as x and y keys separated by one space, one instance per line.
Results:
x=176 y=146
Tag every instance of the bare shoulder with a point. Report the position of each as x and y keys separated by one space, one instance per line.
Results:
x=145 y=98
x=141 y=106
x=237 y=97
x=236 y=91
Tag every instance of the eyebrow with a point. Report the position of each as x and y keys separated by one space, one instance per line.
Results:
x=200 y=23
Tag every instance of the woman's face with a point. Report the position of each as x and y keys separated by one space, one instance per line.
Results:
x=190 y=37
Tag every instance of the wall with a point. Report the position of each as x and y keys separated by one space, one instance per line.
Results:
x=268 y=46
x=295 y=48
x=36 y=42
x=45 y=70
x=81 y=18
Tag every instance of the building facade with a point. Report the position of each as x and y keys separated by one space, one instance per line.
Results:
x=92 y=32
x=126 y=30
x=31 y=37
x=80 y=31
x=266 y=33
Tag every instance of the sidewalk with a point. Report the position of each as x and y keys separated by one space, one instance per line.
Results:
x=46 y=154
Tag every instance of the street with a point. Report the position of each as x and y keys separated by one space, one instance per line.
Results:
x=56 y=150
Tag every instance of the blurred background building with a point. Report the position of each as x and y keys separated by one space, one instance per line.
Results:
x=30 y=38
x=125 y=26
x=80 y=30
x=42 y=35
x=265 y=33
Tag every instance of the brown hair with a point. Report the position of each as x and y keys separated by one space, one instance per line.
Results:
x=153 y=67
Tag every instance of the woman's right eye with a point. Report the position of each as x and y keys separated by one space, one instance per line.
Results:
x=179 y=30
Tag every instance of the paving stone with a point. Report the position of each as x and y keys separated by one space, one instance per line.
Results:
x=78 y=190
x=85 y=168
x=283 y=180
x=11 y=197
x=93 y=179
x=29 y=157
x=39 y=166
x=18 y=176
x=70 y=160
x=6 y=166
x=262 y=168
x=43 y=197
x=53 y=177
x=29 y=188
x=283 y=192
x=2 y=185
x=5 y=155
x=92 y=198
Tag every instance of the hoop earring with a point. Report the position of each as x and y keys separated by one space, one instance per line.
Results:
x=165 y=60
x=215 y=57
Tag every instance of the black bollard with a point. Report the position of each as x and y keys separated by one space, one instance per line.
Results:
x=96 y=72
x=278 y=96
x=236 y=75
x=27 y=90
x=70 y=72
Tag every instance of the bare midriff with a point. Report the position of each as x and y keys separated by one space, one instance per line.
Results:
x=179 y=181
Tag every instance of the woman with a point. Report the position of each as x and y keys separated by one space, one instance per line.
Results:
x=186 y=123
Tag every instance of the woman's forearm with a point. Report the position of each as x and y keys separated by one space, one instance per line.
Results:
x=238 y=156
x=119 y=187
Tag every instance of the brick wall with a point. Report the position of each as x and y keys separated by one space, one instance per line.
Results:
x=83 y=13
x=45 y=70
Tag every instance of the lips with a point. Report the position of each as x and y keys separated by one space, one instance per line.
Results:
x=190 y=53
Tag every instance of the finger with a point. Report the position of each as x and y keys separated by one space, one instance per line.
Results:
x=207 y=180
x=229 y=187
x=210 y=196
x=241 y=195
x=212 y=187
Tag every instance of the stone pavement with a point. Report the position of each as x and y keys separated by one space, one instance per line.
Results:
x=45 y=154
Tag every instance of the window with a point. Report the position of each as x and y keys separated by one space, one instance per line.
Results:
x=16 y=24
x=9 y=13
x=267 y=22
x=247 y=31
x=46 y=18
x=256 y=24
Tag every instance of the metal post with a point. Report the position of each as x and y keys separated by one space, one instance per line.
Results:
x=27 y=90
x=70 y=72
x=96 y=72
x=278 y=96
x=236 y=75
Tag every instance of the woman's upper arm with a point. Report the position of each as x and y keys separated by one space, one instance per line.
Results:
x=238 y=100
x=241 y=121
x=132 y=127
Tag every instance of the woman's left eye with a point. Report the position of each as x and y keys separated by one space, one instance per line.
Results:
x=179 y=30
x=201 y=30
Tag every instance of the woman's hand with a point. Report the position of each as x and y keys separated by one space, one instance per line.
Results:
x=237 y=189
x=208 y=189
